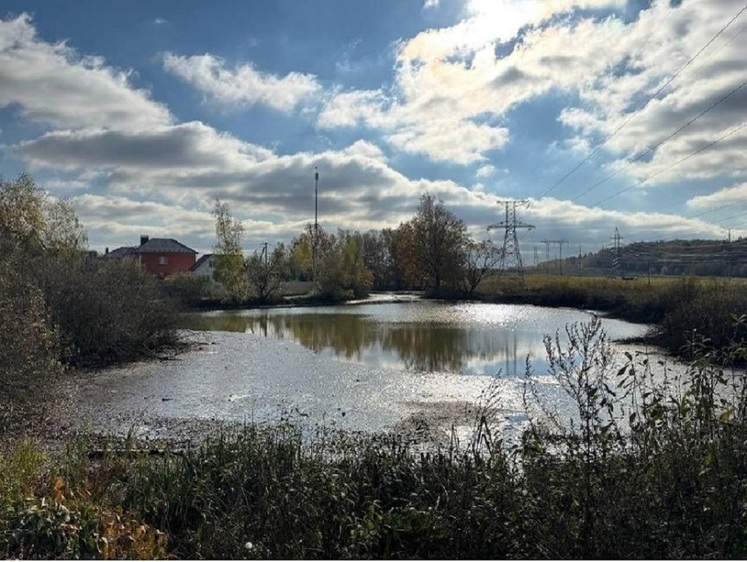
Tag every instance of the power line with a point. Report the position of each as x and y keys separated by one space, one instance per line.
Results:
x=667 y=139
x=680 y=161
x=719 y=208
x=727 y=219
x=644 y=104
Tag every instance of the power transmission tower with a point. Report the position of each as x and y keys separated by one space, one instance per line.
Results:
x=560 y=245
x=616 y=263
x=536 y=257
x=510 y=260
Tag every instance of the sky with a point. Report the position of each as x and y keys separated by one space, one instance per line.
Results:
x=594 y=114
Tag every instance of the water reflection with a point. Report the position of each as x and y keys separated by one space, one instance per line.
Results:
x=419 y=337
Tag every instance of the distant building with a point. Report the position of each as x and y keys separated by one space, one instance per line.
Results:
x=159 y=256
x=121 y=253
x=204 y=267
x=164 y=256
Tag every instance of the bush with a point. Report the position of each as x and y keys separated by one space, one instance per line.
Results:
x=189 y=290
x=58 y=304
x=706 y=312
x=28 y=343
x=106 y=311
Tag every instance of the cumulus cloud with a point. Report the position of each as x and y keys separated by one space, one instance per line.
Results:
x=242 y=85
x=454 y=86
x=54 y=85
x=188 y=146
x=654 y=55
x=452 y=91
x=732 y=195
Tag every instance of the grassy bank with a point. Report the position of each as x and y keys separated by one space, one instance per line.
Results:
x=654 y=472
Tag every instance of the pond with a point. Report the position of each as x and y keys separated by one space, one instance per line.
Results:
x=404 y=366
x=422 y=336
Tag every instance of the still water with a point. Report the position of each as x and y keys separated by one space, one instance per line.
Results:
x=401 y=367
x=424 y=336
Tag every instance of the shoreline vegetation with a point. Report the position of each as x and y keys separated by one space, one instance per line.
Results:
x=658 y=470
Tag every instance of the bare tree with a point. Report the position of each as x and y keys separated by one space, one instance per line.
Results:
x=479 y=259
x=267 y=271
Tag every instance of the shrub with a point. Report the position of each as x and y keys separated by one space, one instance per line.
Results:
x=28 y=343
x=106 y=311
x=187 y=289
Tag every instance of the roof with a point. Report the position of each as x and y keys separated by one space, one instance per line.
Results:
x=121 y=252
x=164 y=246
x=198 y=264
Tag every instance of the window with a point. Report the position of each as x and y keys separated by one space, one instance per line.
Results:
x=163 y=260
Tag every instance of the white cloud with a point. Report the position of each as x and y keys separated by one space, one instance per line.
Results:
x=178 y=148
x=454 y=86
x=452 y=91
x=654 y=49
x=53 y=84
x=243 y=85
x=722 y=197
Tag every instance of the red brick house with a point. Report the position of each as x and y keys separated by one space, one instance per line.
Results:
x=164 y=256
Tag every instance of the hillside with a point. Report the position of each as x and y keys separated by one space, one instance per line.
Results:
x=673 y=257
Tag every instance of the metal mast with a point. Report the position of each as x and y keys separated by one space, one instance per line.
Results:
x=315 y=240
x=510 y=260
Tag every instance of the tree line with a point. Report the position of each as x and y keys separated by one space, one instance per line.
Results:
x=431 y=252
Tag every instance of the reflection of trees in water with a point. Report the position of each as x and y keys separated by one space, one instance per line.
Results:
x=344 y=333
x=426 y=347
x=419 y=346
x=449 y=348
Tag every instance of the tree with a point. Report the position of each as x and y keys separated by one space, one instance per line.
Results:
x=32 y=221
x=479 y=259
x=340 y=262
x=375 y=258
x=63 y=232
x=229 y=258
x=267 y=272
x=439 y=238
x=349 y=267
x=403 y=269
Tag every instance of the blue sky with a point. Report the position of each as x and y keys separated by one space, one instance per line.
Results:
x=143 y=113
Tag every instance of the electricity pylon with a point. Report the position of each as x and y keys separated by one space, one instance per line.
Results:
x=560 y=244
x=510 y=260
x=616 y=264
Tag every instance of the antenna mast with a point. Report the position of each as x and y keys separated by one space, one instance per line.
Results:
x=315 y=241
